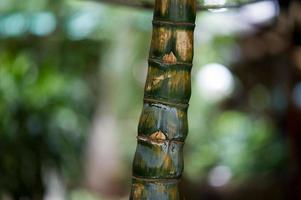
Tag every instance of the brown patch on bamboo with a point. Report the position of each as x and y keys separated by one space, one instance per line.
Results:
x=155 y=82
x=138 y=191
x=147 y=119
x=184 y=44
x=192 y=4
x=160 y=38
x=164 y=6
x=169 y=58
x=173 y=193
x=158 y=136
x=181 y=114
x=180 y=80
x=167 y=164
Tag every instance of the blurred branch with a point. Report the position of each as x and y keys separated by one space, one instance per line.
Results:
x=148 y=5
x=227 y=5
x=130 y=3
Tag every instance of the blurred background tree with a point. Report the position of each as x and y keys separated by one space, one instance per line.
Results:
x=71 y=83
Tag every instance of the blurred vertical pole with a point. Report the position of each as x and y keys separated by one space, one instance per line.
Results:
x=163 y=126
x=293 y=122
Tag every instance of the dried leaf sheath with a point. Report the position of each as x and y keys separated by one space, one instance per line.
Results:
x=163 y=126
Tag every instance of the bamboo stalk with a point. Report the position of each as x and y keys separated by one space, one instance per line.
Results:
x=163 y=126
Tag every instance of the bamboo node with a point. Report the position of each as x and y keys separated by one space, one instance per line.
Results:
x=170 y=58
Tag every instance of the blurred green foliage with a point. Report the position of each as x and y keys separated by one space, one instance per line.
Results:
x=46 y=106
x=52 y=79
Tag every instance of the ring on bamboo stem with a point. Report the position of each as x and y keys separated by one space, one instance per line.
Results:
x=164 y=102
x=150 y=140
x=170 y=23
x=156 y=180
x=175 y=64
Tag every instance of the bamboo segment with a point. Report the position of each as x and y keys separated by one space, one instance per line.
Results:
x=163 y=126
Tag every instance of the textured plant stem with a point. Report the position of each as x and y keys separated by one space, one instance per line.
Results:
x=163 y=126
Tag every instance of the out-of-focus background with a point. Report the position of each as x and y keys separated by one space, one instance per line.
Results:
x=72 y=74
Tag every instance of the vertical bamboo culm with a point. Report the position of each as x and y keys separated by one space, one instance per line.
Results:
x=163 y=126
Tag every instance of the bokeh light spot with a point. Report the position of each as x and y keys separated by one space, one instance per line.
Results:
x=43 y=23
x=219 y=176
x=215 y=81
x=81 y=25
x=260 y=12
x=14 y=25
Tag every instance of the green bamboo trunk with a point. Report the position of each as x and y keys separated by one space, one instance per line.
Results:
x=163 y=126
